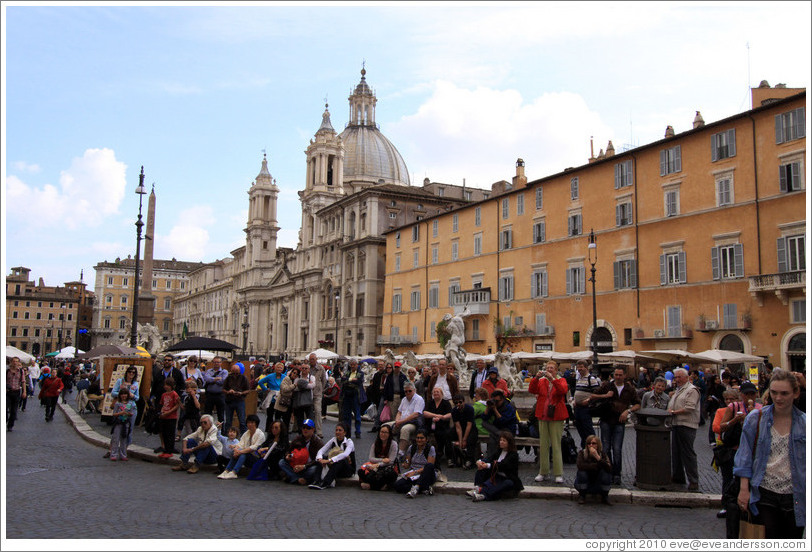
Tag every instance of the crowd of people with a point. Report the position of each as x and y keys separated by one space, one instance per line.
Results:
x=423 y=421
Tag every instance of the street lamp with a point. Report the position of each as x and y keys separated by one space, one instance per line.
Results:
x=245 y=326
x=592 y=250
x=338 y=305
x=138 y=225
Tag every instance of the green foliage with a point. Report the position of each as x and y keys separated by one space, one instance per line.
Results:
x=443 y=334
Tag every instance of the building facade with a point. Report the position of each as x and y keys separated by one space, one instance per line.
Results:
x=112 y=311
x=328 y=290
x=41 y=319
x=700 y=241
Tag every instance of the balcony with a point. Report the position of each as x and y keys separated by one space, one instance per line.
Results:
x=683 y=334
x=545 y=331
x=397 y=340
x=781 y=284
x=478 y=301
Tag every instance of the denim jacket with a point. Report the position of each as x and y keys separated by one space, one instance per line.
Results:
x=753 y=468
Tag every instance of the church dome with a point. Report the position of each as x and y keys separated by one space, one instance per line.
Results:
x=368 y=155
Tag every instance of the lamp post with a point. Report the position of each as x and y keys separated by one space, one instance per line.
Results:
x=245 y=326
x=138 y=226
x=592 y=250
x=338 y=306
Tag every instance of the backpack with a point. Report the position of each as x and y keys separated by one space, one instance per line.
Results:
x=569 y=452
x=733 y=436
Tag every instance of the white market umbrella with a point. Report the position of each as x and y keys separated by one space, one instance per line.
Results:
x=12 y=351
x=68 y=352
x=627 y=357
x=719 y=356
x=323 y=355
x=675 y=356
x=524 y=355
x=205 y=355
x=572 y=357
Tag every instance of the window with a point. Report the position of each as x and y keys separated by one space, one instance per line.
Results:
x=520 y=204
x=574 y=225
x=623 y=213
x=539 y=232
x=539 y=198
x=183 y=285
x=39 y=316
x=397 y=239
x=396 y=304
x=671 y=200
x=70 y=316
x=14 y=314
x=123 y=301
x=455 y=250
x=478 y=216
x=106 y=324
x=729 y=315
x=453 y=287
x=724 y=192
x=441 y=192
x=109 y=280
x=122 y=323
x=672 y=268
x=478 y=244
x=167 y=303
x=576 y=280
x=26 y=315
x=392 y=215
x=155 y=284
x=415 y=233
x=506 y=208
x=169 y=282
x=723 y=145
x=541 y=324
x=625 y=272
x=415 y=258
x=435 y=254
x=414 y=300
x=435 y=227
x=789 y=177
x=791 y=254
x=506 y=287
x=469 y=195
x=397 y=262
x=36 y=332
x=13 y=332
x=799 y=311
x=790 y=125
x=727 y=261
x=474 y=329
x=433 y=329
x=674 y=319
x=25 y=332
x=538 y=284
x=574 y=188
x=434 y=296
x=623 y=174
x=670 y=161
x=455 y=223
x=167 y=322
x=506 y=239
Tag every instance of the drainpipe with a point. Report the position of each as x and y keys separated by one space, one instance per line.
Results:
x=755 y=184
x=636 y=234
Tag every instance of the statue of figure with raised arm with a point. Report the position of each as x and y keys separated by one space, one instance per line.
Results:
x=454 y=352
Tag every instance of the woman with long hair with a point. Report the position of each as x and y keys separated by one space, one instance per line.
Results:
x=283 y=408
x=380 y=471
x=419 y=475
x=594 y=475
x=274 y=448
x=771 y=461
x=498 y=475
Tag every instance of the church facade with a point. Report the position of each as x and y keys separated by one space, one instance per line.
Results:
x=328 y=291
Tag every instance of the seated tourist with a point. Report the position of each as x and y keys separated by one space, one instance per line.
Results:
x=296 y=471
x=203 y=444
x=409 y=417
x=437 y=421
x=500 y=416
x=246 y=450
x=594 y=475
x=498 y=475
x=229 y=442
x=336 y=457
x=272 y=451
x=464 y=435
x=379 y=471
x=417 y=473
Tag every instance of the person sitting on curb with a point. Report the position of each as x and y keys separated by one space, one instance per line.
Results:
x=499 y=475
x=594 y=475
x=229 y=442
x=499 y=416
x=246 y=450
x=418 y=475
x=306 y=473
x=336 y=457
x=203 y=444
x=409 y=417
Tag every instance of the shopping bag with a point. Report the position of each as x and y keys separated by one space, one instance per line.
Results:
x=749 y=527
x=386 y=414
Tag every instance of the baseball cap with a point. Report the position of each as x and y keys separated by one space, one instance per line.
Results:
x=747 y=387
x=309 y=423
x=398 y=364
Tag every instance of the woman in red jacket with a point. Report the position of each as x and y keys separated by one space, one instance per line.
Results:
x=551 y=411
x=51 y=387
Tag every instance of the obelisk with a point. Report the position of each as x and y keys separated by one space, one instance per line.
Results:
x=146 y=299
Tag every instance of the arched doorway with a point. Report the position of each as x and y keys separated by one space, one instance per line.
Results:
x=732 y=342
x=796 y=353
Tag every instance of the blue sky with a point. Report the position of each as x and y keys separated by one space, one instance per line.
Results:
x=196 y=93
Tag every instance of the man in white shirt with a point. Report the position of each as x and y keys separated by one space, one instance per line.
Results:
x=477 y=377
x=409 y=416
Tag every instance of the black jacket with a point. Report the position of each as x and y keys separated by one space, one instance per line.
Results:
x=507 y=468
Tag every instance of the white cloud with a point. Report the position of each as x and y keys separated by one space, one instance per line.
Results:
x=23 y=167
x=478 y=134
x=189 y=238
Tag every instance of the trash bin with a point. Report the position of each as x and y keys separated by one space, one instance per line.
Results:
x=653 y=429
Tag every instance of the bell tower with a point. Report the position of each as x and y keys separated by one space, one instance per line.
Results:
x=262 y=228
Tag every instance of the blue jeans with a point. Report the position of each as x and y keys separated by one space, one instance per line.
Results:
x=351 y=405
x=612 y=442
x=205 y=455
x=583 y=423
x=239 y=408
x=308 y=474
x=492 y=491
x=235 y=464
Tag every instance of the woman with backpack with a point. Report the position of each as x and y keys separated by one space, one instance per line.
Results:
x=418 y=468
x=337 y=458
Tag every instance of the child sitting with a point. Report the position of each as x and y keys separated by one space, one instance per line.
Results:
x=229 y=444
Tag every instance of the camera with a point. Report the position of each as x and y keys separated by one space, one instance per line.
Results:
x=489 y=402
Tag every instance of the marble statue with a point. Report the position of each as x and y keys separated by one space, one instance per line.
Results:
x=454 y=352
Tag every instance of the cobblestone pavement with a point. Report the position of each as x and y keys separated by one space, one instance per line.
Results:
x=50 y=467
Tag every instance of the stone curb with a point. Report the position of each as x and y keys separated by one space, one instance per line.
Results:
x=619 y=496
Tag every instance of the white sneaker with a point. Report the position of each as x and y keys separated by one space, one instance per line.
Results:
x=413 y=491
x=478 y=497
x=559 y=479
x=472 y=492
x=540 y=478
x=223 y=475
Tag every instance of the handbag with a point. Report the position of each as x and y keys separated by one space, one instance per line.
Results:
x=386 y=414
x=749 y=527
x=551 y=411
x=569 y=452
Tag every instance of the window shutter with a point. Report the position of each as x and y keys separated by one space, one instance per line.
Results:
x=683 y=269
x=618 y=176
x=714 y=148
x=633 y=273
x=543 y=227
x=501 y=289
x=569 y=281
x=540 y=323
x=782 y=177
x=618 y=215
x=715 y=263
x=663 y=273
x=678 y=159
x=544 y=284
x=782 y=254
x=579 y=220
x=738 y=260
x=731 y=142
x=616 y=269
x=800 y=122
x=795 y=168
x=779 y=129
x=582 y=272
x=663 y=163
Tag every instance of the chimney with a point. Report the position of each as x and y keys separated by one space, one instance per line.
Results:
x=698 y=120
x=610 y=149
x=591 y=150
x=520 y=179
x=669 y=131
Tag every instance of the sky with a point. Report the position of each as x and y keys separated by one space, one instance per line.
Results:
x=196 y=93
